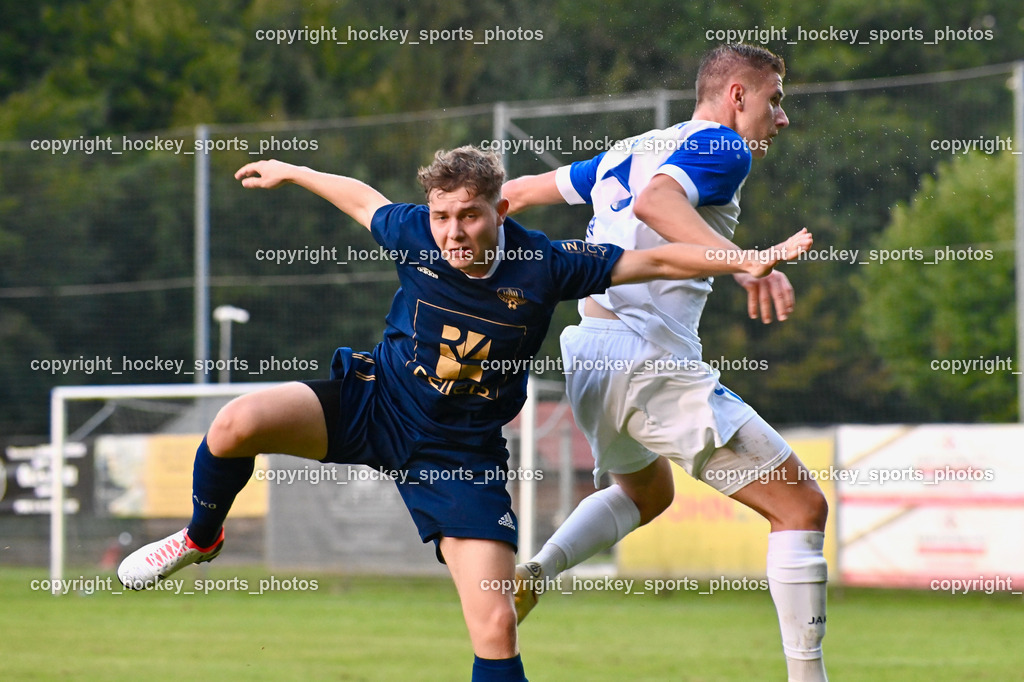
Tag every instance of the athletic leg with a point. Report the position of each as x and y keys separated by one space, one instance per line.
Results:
x=482 y=570
x=797 y=572
x=605 y=517
x=607 y=409
x=285 y=419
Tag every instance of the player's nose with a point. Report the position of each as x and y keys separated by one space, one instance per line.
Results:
x=781 y=119
x=455 y=231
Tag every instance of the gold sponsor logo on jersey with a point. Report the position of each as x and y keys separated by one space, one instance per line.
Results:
x=580 y=246
x=455 y=366
x=461 y=355
x=451 y=387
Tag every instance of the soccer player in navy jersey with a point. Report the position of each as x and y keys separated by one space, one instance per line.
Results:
x=682 y=184
x=428 y=403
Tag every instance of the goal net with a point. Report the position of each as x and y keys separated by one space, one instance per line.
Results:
x=119 y=466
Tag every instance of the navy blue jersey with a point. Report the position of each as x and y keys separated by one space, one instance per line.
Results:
x=456 y=349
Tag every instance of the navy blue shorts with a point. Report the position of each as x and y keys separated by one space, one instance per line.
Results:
x=450 y=489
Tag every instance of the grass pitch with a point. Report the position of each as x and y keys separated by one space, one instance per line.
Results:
x=411 y=629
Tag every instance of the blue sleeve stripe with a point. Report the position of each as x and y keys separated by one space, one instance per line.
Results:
x=583 y=175
x=717 y=162
x=563 y=179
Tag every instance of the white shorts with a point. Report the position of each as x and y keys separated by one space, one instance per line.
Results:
x=634 y=402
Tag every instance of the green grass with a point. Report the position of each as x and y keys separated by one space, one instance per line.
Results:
x=411 y=629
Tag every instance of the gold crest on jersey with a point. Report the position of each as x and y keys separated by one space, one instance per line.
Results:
x=512 y=297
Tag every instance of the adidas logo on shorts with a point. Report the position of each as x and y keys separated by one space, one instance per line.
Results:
x=506 y=521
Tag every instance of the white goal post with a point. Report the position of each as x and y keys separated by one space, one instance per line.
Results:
x=62 y=395
x=59 y=398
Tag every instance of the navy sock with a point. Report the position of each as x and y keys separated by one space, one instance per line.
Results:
x=215 y=482
x=498 y=670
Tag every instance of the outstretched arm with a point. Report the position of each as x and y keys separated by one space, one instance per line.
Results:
x=353 y=197
x=665 y=207
x=686 y=261
x=531 y=190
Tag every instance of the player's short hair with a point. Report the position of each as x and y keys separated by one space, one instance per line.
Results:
x=466 y=167
x=719 y=63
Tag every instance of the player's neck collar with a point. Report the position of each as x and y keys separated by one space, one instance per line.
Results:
x=499 y=253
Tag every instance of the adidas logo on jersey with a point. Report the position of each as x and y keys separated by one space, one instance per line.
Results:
x=427 y=271
x=506 y=521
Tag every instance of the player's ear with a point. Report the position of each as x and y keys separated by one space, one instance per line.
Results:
x=502 y=209
x=736 y=94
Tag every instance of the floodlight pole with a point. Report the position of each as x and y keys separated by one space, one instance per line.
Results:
x=498 y=130
x=201 y=293
x=661 y=120
x=1018 y=147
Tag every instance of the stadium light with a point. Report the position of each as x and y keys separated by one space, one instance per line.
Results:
x=226 y=314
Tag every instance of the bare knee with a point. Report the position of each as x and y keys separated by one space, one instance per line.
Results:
x=817 y=511
x=651 y=489
x=493 y=632
x=233 y=430
x=809 y=512
x=652 y=503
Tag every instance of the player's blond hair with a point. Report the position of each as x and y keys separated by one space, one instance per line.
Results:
x=479 y=172
x=721 y=62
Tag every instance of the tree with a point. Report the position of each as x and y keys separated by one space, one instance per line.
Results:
x=922 y=317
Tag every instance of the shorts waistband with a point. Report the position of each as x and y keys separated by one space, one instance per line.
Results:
x=604 y=324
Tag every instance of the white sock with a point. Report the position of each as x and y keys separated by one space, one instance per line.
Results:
x=597 y=523
x=797 y=577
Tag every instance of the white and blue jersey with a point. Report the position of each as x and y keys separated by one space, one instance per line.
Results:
x=710 y=162
x=456 y=349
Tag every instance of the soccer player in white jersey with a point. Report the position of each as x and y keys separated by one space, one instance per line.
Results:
x=683 y=184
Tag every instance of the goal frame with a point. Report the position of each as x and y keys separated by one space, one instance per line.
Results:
x=60 y=396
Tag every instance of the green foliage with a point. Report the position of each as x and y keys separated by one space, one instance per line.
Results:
x=80 y=68
x=959 y=308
